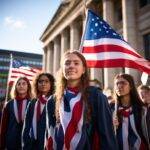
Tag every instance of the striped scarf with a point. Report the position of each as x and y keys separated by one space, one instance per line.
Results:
x=20 y=105
x=67 y=135
x=128 y=136
x=38 y=109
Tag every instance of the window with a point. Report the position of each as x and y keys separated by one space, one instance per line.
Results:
x=144 y=3
x=146 y=38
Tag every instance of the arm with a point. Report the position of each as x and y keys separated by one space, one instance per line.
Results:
x=26 y=140
x=3 y=127
x=104 y=122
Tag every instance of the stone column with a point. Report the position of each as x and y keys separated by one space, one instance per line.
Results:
x=130 y=30
x=50 y=58
x=47 y=58
x=57 y=50
x=108 y=15
x=44 y=59
x=74 y=36
x=64 y=41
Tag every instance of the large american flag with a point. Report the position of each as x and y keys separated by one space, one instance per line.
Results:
x=103 y=47
x=19 y=69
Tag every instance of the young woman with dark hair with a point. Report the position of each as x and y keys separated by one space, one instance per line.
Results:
x=35 y=120
x=129 y=113
x=13 y=115
x=78 y=117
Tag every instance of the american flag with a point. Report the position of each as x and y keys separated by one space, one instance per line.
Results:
x=103 y=47
x=19 y=69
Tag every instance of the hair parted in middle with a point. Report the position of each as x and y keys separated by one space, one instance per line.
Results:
x=14 y=92
x=61 y=81
x=35 y=84
x=135 y=99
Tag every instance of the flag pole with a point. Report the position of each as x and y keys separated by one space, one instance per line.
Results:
x=115 y=116
x=85 y=6
x=8 y=79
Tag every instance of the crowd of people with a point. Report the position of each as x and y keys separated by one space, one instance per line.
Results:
x=71 y=112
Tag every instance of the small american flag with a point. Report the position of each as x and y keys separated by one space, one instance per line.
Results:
x=19 y=69
x=103 y=47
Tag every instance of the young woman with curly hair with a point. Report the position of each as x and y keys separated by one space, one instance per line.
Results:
x=35 y=120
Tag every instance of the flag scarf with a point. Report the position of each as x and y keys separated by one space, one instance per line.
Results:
x=128 y=136
x=18 y=69
x=104 y=47
x=69 y=132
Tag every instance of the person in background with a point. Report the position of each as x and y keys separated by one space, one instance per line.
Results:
x=79 y=116
x=96 y=83
x=144 y=93
x=109 y=93
x=129 y=112
x=35 y=120
x=13 y=115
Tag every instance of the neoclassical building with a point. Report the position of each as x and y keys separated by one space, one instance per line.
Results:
x=131 y=18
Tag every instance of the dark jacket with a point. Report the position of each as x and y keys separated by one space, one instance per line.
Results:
x=101 y=121
x=28 y=142
x=10 y=134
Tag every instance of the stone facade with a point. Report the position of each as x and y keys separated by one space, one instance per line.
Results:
x=66 y=27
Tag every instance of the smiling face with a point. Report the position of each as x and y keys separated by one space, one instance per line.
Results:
x=73 y=69
x=44 y=85
x=122 y=87
x=22 y=87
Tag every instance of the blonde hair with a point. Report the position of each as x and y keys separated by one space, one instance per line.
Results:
x=14 y=92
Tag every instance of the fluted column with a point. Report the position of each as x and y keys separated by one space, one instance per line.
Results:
x=47 y=58
x=108 y=15
x=57 y=50
x=74 y=36
x=130 y=29
x=50 y=58
x=64 y=41
x=44 y=59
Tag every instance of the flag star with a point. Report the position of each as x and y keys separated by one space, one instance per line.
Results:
x=101 y=22
x=92 y=29
x=96 y=24
x=97 y=18
x=107 y=31
x=95 y=33
x=114 y=34
x=92 y=19
x=105 y=27
x=100 y=29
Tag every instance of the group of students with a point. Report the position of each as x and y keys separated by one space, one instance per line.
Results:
x=71 y=114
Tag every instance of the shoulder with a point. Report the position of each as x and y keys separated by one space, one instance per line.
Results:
x=9 y=102
x=31 y=103
x=51 y=102
x=94 y=92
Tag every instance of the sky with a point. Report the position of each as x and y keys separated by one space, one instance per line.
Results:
x=22 y=23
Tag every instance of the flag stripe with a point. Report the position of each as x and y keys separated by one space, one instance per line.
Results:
x=108 y=48
x=111 y=55
x=108 y=41
x=116 y=63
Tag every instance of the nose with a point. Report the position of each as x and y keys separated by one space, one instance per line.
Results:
x=71 y=65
